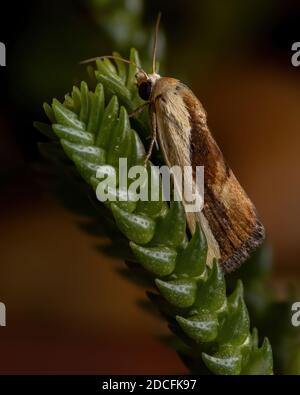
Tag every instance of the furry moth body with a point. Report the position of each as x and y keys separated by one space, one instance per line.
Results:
x=179 y=123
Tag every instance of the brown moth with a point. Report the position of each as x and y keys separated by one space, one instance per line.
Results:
x=179 y=123
x=228 y=218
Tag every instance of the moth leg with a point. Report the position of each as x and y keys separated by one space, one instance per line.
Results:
x=149 y=153
x=153 y=138
x=139 y=109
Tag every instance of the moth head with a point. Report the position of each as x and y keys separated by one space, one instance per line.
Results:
x=145 y=84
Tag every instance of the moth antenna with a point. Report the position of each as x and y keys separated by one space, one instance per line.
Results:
x=114 y=58
x=154 y=50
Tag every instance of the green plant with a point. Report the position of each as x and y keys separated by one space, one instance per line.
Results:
x=265 y=310
x=90 y=131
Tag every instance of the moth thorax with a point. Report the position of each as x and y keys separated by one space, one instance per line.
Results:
x=153 y=78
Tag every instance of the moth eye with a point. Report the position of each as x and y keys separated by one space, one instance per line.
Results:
x=145 y=90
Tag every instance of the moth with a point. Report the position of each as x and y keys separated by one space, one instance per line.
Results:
x=179 y=124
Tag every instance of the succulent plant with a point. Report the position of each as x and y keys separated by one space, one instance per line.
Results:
x=88 y=132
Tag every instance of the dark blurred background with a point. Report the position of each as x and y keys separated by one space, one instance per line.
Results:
x=68 y=310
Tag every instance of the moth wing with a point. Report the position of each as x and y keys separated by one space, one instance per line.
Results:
x=228 y=218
